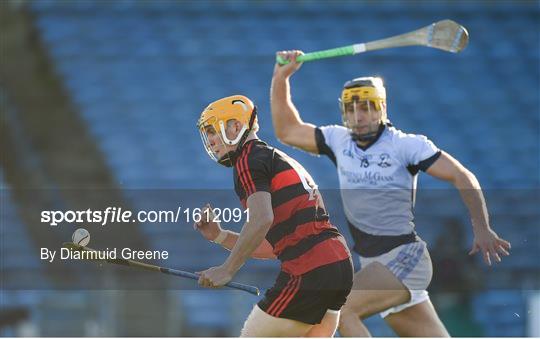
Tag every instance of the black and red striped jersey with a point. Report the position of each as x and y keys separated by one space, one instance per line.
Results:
x=301 y=235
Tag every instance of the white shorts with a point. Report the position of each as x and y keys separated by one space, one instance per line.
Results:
x=411 y=264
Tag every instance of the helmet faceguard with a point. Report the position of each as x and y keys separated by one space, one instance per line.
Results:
x=363 y=107
x=213 y=122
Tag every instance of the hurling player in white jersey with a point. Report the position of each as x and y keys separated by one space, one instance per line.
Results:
x=377 y=167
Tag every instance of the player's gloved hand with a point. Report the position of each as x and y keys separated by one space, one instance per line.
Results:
x=489 y=243
x=288 y=69
x=209 y=229
x=215 y=277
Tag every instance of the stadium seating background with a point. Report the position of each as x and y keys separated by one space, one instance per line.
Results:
x=139 y=74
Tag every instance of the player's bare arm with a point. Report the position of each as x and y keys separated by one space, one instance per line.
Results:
x=250 y=238
x=288 y=126
x=213 y=232
x=485 y=239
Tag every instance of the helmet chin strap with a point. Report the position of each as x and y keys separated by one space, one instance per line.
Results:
x=230 y=157
x=367 y=137
x=227 y=159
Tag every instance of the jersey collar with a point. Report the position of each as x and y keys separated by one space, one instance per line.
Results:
x=382 y=127
x=241 y=150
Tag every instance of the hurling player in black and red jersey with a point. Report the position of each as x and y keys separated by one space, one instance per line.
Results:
x=288 y=221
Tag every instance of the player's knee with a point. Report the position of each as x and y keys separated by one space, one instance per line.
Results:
x=248 y=333
x=356 y=310
x=246 y=330
x=347 y=315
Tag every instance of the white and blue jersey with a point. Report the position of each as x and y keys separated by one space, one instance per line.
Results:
x=378 y=183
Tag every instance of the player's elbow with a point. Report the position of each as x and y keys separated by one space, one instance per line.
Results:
x=464 y=178
x=266 y=220
x=289 y=136
x=263 y=221
x=283 y=135
x=261 y=214
x=285 y=141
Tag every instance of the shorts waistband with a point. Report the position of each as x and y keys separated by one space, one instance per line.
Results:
x=370 y=245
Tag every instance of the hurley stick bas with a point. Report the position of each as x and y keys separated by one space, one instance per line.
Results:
x=446 y=35
x=149 y=267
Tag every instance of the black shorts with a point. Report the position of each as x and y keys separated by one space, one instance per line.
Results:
x=307 y=297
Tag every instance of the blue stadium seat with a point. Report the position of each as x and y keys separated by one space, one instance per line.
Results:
x=501 y=312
